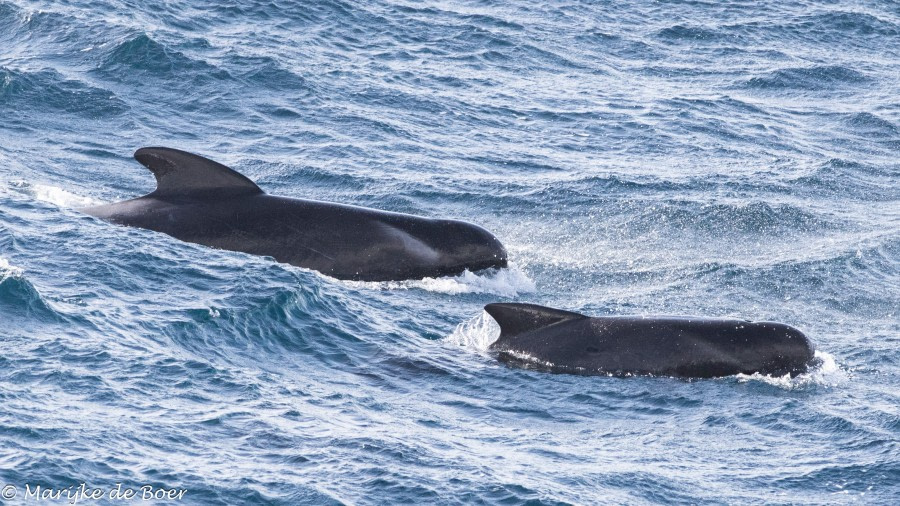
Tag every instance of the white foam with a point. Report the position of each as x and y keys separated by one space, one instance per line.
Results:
x=507 y=282
x=477 y=334
x=62 y=198
x=55 y=195
x=825 y=373
x=9 y=271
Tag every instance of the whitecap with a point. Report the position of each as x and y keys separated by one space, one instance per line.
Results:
x=477 y=334
x=8 y=270
x=824 y=372
x=508 y=282
x=55 y=195
x=62 y=198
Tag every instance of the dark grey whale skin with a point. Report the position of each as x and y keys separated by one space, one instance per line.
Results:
x=561 y=341
x=201 y=201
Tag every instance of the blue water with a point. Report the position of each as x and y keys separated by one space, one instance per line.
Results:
x=655 y=158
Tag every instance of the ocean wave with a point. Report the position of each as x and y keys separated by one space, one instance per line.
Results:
x=850 y=179
x=717 y=107
x=691 y=33
x=140 y=56
x=18 y=23
x=868 y=124
x=266 y=72
x=55 y=195
x=825 y=372
x=476 y=334
x=834 y=28
x=45 y=91
x=508 y=282
x=842 y=23
x=622 y=46
x=729 y=218
x=9 y=271
x=19 y=300
x=869 y=263
x=815 y=78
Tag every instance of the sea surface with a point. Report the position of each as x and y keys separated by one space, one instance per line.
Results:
x=681 y=158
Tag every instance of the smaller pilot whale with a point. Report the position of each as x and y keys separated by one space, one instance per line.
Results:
x=561 y=341
x=201 y=201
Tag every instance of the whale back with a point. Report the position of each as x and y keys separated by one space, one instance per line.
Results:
x=516 y=319
x=182 y=174
x=204 y=202
x=534 y=336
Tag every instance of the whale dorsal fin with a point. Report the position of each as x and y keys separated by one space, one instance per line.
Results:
x=517 y=319
x=180 y=174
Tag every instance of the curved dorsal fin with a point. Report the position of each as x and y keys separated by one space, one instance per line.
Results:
x=520 y=318
x=179 y=173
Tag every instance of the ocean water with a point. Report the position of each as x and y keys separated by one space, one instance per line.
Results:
x=697 y=158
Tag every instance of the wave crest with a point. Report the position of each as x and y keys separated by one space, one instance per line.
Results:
x=8 y=270
x=141 y=55
x=56 y=195
x=507 y=282
x=18 y=297
x=825 y=372
x=477 y=334
x=822 y=77
x=48 y=90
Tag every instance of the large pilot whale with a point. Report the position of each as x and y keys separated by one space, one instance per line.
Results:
x=201 y=201
x=540 y=337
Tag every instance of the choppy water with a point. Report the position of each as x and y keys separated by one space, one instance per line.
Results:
x=666 y=157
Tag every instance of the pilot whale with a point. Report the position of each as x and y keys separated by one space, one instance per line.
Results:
x=201 y=201
x=540 y=337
